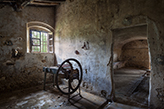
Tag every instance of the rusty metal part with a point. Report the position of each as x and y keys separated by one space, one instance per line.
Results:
x=70 y=73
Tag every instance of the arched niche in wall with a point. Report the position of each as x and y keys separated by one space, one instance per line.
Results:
x=125 y=35
x=40 y=26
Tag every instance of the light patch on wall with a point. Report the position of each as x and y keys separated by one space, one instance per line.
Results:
x=114 y=56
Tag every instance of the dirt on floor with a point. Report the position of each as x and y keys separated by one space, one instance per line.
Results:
x=37 y=98
x=132 y=86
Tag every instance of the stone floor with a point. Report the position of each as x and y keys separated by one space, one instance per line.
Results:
x=127 y=96
x=116 y=105
x=131 y=87
x=36 y=98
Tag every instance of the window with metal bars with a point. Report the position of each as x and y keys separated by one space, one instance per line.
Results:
x=41 y=42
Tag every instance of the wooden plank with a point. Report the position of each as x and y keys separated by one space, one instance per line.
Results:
x=43 y=3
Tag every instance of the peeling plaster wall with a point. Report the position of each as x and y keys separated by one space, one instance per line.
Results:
x=91 y=21
x=79 y=28
x=157 y=63
x=135 y=54
x=25 y=69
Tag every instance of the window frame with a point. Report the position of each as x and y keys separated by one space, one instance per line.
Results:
x=40 y=27
x=40 y=38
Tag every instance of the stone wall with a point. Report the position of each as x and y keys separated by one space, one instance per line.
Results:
x=80 y=27
x=136 y=54
x=90 y=22
x=24 y=69
x=124 y=35
x=86 y=26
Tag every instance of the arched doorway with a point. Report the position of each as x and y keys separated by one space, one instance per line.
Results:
x=131 y=64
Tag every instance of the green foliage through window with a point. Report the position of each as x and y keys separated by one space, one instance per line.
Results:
x=40 y=41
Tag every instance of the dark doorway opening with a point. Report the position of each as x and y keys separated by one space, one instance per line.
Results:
x=131 y=65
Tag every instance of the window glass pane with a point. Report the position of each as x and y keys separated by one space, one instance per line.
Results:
x=35 y=34
x=44 y=48
x=40 y=41
x=35 y=48
x=44 y=37
x=35 y=42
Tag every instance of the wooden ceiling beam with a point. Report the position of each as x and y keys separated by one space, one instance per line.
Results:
x=20 y=4
x=43 y=3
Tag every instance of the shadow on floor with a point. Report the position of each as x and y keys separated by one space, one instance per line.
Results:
x=36 y=98
x=131 y=87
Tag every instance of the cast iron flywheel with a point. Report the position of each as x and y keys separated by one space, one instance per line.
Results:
x=69 y=76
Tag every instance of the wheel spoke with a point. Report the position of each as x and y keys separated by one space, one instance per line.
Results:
x=65 y=88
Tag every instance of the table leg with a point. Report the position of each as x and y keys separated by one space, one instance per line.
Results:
x=53 y=80
x=45 y=73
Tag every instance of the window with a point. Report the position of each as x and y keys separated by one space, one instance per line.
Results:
x=41 y=41
x=39 y=38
